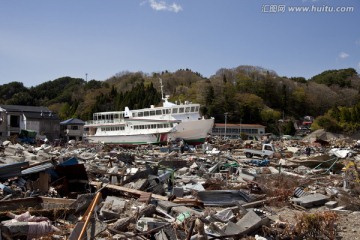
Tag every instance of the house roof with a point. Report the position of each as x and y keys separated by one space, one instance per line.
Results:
x=33 y=112
x=20 y=108
x=41 y=115
x=72 y=121
x=238 y=125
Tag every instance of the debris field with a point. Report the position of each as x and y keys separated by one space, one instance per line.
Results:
x=302 y=189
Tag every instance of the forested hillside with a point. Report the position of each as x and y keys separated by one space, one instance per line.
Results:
x=248 y=94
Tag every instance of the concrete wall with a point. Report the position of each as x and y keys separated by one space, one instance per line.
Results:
x=3 y=124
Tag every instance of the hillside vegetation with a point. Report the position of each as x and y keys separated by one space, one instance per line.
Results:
x=248 y=94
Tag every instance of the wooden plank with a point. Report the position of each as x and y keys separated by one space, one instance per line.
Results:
x=145 y=197
x=80 y=228
x=138 y=194
x=135 y=192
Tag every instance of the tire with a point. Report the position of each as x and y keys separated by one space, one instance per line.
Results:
x=248 y=155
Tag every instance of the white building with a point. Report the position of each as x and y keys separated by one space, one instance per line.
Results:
x=72 y=129
x=235 y=130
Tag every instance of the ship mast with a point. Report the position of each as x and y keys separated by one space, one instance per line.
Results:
x=162 y=90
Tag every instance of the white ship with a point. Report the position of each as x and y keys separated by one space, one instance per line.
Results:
x=154 y=125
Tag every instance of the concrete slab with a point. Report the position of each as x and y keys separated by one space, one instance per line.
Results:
x=112 y=207
x=175 y=209
x=247 y=224
x=313 y=200
x=178 y=191
x=331 y=204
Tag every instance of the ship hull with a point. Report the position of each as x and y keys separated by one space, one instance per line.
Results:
x=138 y=139
x=193 y=132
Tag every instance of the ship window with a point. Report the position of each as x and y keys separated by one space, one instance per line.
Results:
x=187 y=109
x=146 y=114
x=141 y=114
x=152 y=113
x=174 y=110
x=192 y=109
x=134 y=114
x=197 y=109
x=158 y=112
x=122 y=128
x=181 y=110
x=116 y=116
x=153 y=126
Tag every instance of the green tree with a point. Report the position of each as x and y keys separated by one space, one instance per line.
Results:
x=289 y=128
x=339 y=77
x=327 y=123
x=13 y=89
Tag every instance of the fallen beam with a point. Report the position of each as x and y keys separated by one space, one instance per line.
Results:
x=135 y=192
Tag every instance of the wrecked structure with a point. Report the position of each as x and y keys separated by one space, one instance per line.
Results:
x=83 y=191
x=15 y=118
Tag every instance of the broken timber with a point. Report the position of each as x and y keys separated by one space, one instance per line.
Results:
x=141 y=194
x=84 y=221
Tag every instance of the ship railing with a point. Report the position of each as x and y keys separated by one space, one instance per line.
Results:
x=93 y=122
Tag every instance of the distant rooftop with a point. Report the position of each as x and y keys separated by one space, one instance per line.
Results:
x=72 y=121
x=33 y=112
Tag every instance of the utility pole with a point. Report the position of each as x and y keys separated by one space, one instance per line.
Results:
x=86 y=77
x=225 y=123
x=240 y=127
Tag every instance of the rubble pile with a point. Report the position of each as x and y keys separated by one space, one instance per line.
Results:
x=304 y=190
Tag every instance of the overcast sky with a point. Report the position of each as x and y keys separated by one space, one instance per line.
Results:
x=42 y=40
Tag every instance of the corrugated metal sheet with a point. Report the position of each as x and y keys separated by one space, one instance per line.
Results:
x=37 y=169
x=223 y=197
x=12 y=169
